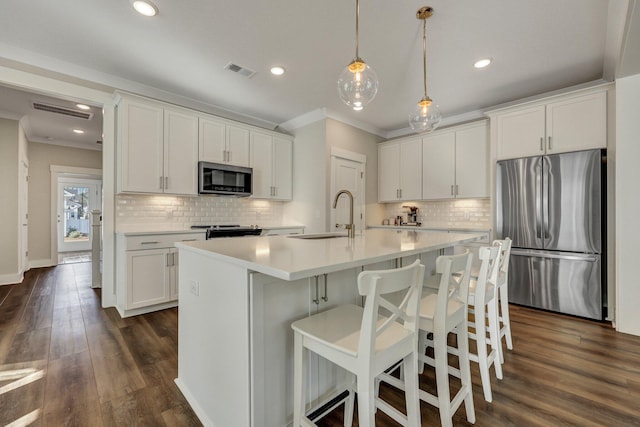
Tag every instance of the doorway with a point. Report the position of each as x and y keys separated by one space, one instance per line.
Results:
x=347 y=173
x=76 y=198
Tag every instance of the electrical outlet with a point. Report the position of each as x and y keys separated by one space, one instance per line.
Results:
x=194 y=287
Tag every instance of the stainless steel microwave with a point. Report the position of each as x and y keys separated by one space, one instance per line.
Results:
x=226 y=180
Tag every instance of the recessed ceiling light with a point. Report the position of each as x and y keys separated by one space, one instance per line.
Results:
x=277 y=70
x=145 y=7
x=78 y=131
x=481 y=63
x=83 y=106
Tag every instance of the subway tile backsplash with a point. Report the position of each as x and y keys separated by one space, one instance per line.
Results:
x=176 y=212
x=473 y=213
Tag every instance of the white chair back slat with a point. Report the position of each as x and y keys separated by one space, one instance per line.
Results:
x=374 y=284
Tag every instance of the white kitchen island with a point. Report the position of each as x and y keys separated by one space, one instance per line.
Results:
x=238 y=298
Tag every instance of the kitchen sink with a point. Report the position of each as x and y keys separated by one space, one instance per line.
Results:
x=316 y=236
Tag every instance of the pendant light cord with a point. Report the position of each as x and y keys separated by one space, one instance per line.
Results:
x=357 y=35
x=424 y=54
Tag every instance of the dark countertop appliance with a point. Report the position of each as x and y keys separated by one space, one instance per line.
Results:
x=229 y=230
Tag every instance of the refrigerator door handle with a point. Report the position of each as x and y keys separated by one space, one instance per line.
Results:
x=558 y=255
x=545 y=198
x=538 y=202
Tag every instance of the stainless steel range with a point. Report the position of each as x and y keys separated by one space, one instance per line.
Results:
x=229 y=230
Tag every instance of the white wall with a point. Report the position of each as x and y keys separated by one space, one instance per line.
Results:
x=627 y=204
x=9 y=236
x=309 y=205
x=312 y=172
x=358 y=141
x=41 y=157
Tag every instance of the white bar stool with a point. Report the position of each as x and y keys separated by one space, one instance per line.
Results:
x=483 y=297
x=441 y=313
x=503 y=295
x=366 y=342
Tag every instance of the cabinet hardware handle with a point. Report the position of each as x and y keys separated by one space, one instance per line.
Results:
x=228 y=156
x=189 y=240
x=174 y=258
x=149 y=243
x=457 y=190
x=168 y=263
x=316 y=300
x=452 y=189
x=161 y=181
x=541 y=143
x=166 y=182
x=549 y=143
x=325 y=297
x=401 y=193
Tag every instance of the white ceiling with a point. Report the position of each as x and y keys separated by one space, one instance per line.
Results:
x=179 y=55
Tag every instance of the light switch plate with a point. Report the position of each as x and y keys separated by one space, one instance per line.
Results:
x=194 y=287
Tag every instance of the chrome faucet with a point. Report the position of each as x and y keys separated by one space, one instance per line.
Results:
x=351 y=228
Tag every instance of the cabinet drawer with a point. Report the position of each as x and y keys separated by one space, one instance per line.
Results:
x=155 y=241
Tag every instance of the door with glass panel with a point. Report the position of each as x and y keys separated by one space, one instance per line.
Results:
x=76 y=199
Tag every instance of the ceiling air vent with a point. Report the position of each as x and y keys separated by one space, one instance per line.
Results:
x=239 y=70
x=62 y=110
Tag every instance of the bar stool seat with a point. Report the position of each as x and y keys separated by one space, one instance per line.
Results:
x=365 y=342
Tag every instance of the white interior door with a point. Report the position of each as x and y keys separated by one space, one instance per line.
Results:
x=24 y=217
x=347 y=174
x=76 y=199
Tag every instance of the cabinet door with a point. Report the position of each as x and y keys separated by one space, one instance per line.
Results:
x=212 y=139
x=181 y=152
x=147 y=277
x=237 y=145
x=472 y=162
x=341 y=288
x=282 y=169
x=261 y=162
x=521 y=133
x=173 y=274
x=388 y=172
x=141 y=154
x=411 y=170
x=438 y=166
x=577 y=124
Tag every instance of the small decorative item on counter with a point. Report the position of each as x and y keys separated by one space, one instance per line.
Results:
x=385 y=221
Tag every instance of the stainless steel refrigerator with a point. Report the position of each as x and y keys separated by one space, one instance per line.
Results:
x=552 y=207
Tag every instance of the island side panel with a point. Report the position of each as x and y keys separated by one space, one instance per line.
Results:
x=213 y=339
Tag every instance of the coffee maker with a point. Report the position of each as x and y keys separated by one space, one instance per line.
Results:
x=412 y=215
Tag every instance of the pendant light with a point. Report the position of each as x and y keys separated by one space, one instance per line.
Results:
x=358 y=83
x=426 y=116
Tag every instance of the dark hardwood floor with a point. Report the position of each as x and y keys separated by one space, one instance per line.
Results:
x=65 y=361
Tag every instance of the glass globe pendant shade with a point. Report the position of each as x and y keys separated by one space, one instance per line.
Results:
x=426 y=117
x=357 y=84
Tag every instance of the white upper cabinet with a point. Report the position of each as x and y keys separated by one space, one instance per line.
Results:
x=439 y=166
x=271 y=160
x=140 y=136
x=400 y=170
x=180 y=152
x=472 y=162
x=454 y=163
x=221 y=142
x=158 y=148
x=571 y=123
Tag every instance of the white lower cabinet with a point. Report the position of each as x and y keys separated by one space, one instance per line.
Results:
x=277 y=304
x=147 y=271
x=150 y=277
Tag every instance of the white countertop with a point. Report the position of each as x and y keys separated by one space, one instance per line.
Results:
x=290 y=258
x=425 y=227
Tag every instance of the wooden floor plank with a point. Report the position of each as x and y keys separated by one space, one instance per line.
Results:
x=99 y=369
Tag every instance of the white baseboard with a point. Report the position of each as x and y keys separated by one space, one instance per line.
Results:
x=11 y=279
x=193 y=403
x=38 y=263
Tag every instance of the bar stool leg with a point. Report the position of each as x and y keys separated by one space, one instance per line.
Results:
x=442 y=377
